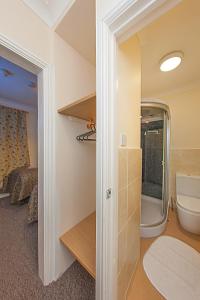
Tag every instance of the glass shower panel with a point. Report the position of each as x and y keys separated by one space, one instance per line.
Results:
x=155 y=167
x=165 y=169
x=152 y=159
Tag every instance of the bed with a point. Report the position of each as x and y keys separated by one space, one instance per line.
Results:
x=33 y=206
x=20 y=183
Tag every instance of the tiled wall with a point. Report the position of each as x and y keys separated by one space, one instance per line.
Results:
x=185 y=161
x=129 y=196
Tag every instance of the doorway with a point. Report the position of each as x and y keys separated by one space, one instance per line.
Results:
x=44 y=72
x=114 y=28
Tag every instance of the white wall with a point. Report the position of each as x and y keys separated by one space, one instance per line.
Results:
x=75 y=161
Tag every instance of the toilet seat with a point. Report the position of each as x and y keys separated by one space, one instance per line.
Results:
x=191 y=204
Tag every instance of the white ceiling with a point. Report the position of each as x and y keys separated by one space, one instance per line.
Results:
x=78 y=28
x=50 y=11
x=179 y=29
x=17 y=85
x=74 y=21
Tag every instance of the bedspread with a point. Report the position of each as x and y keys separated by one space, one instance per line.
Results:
x=33 y=206
x=20 y=183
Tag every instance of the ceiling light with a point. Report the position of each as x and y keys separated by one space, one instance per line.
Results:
x=171 y=61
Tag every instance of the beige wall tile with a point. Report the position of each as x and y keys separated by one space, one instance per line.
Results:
x=122 y=283
x=129 y=198
x=122 y=249
x=188 y=159
x=134 y=164
x=123 y=171
x=122 y=208
x=134 y=195
x=133 y=232
x=133 y=245
x=185 y=161
x=128 y=253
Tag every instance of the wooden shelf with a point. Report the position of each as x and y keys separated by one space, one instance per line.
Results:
x=81 y=242
x=84 y=108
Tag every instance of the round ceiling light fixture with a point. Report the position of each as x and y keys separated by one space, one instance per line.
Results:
x=171 y=61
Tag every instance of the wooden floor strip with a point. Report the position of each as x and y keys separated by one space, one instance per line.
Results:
x=81 y=242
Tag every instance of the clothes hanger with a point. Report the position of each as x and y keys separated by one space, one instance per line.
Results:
x=86 y=136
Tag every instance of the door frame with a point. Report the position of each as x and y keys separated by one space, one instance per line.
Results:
x=46 y=157
x=116 y=26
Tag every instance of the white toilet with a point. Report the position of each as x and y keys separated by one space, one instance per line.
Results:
x=188 y=202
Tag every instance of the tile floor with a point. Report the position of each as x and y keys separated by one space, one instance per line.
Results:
x=141 y=288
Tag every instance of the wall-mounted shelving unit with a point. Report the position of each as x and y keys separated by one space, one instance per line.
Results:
x=81 y=239
x=84 y=108
x=81 y=242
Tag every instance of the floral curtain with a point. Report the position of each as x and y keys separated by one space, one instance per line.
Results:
x=13 y=140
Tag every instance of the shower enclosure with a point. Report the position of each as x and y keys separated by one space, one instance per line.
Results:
x=155 y=140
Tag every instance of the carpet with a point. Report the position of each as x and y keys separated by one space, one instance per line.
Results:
x=3 y=195
x=173 y=268
x=18 y=263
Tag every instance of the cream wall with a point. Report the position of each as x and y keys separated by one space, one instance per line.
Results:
x=32 y=131
x=129 y=91
x=184 y=106
x=21 y=25
x=75 y=161
x=129 y=178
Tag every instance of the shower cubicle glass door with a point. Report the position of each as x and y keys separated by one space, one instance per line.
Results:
x=152 y=167
x=166 y=144
x=154 y=144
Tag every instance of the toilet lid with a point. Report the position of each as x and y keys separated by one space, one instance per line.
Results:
x=189 y=203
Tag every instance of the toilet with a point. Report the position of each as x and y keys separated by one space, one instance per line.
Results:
x=188 y=202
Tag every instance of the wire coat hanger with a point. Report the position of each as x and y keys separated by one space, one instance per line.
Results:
x=86 y=136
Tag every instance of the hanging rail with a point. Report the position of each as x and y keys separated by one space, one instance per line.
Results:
x=86 y=136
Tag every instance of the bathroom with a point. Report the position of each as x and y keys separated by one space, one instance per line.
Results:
x=169 y=115
x=170 y=143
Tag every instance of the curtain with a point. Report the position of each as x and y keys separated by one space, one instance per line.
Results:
x=13 y=140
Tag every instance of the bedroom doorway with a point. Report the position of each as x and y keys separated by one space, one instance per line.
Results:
x=19 y=169
x=42 y=74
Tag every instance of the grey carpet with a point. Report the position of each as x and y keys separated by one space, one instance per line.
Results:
x=18 y=263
